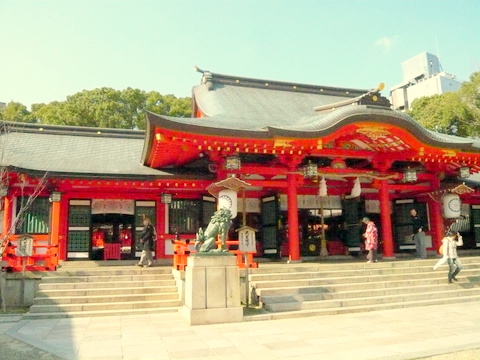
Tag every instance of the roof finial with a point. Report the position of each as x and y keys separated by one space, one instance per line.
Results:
x=197 y=69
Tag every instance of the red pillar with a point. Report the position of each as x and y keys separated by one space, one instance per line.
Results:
x=293 y=236
x=7 y=215
x=63 y=228
x=55 y=229
x=386 y=220
x=55 y=223
x=436 y=226
x=161 y=230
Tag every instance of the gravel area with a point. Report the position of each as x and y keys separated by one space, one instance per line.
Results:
x=13 y=349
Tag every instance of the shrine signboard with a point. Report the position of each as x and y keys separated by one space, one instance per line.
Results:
x=25 y=246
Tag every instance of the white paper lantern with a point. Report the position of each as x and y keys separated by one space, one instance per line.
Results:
x=323 y=191
x=227 y=199
x=451 y=206
x=356 y=189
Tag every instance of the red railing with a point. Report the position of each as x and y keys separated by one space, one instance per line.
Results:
x=44 y=256
x=181 y=251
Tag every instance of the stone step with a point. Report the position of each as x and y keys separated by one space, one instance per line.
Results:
x=265 y=315
x=332 y=285
x=363 y=279
x=132 y=289
x=330 y=294
x=107 y=312
x=370 y=300
x=269 y=268
x=105 y=290
x=105 y=278
x=319 y=289
x=370 y=270
x=105 y=285
x=96 y=264
x=88 y=299
x=121 y=305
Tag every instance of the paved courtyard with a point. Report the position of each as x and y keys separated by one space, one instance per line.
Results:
x=409 y=333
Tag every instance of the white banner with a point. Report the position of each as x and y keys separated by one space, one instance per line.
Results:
x=113 y=206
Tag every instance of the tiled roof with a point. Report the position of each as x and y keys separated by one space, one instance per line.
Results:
x=75 y=151
x=251 y=108
x=258 y=105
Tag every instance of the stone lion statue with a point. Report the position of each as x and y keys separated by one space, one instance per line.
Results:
x=220 y=222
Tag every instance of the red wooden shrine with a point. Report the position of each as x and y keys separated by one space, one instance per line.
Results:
x=285 y=140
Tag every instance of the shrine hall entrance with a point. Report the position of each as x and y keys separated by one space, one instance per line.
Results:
x=112 y=234
x=108 y=229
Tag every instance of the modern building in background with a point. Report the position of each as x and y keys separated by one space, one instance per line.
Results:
x=422 y=76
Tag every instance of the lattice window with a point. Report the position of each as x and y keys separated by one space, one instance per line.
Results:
x=79 y=216
x=36 y=216
x=78 y=241
x=185 y=216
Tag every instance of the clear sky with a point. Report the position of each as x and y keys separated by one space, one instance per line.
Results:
x=50 y=49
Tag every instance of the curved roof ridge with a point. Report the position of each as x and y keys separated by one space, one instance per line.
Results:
x=211 y=77
x=70 y=130
x=321 y=123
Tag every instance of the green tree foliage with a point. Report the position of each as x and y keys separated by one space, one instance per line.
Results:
x=453 y=112
x=15 y=111
x=470 y=94
x=103 y=107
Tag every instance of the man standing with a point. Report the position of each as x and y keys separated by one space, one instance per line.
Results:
x=371 y=240
x=418 y=234
x=146 y=239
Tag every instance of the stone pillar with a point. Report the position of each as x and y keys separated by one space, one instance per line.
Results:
x=212 y=289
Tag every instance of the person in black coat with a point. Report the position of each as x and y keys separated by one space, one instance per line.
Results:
x=147 y=241
x=418 y=234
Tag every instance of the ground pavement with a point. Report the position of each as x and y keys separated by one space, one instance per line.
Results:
x=410 y=333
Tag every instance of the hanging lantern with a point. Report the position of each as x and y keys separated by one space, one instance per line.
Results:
x=310 y=170
x=233 y=162
x=227 y=199
x=410 y=175
x=451 y=206
x=322 y=190
x=464 y=172
x=166 y=198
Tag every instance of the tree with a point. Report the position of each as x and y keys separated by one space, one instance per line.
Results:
x=470 y=94
x=15 y=111
x=106 y=107
x=455 y=113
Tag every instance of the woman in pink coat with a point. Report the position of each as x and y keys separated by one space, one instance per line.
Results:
x=371 y=240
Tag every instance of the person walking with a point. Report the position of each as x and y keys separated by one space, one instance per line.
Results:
x=449 y=246
x=418 y=234
x=371 y=240
x=146 y=239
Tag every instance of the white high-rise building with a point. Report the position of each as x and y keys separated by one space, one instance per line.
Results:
x=422 y=76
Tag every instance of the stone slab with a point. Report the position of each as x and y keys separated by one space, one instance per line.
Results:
x=212 y=316
x=212 y=290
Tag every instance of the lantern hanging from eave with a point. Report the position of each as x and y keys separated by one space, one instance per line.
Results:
x=451 y=206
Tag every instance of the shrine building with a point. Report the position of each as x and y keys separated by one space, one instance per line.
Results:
x=313 y=161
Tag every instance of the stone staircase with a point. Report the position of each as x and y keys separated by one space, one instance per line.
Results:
x=80 y=290
x=311 y=289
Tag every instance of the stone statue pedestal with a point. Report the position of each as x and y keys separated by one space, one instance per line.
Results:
x=212 y=289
